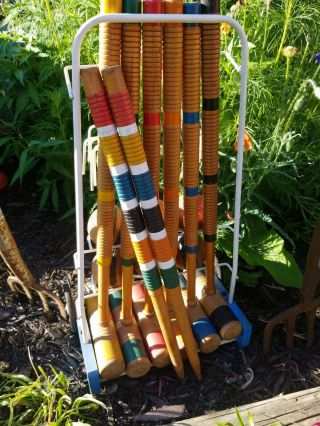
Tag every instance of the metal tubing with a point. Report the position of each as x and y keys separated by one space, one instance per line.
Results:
x=132 y=18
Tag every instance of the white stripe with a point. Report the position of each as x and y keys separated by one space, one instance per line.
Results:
x=156 y=236
x=128 y=205
x=128 y=130
x=119 y=170
x=166 y=265
x=148 y=266
x=139 y=237
x=139 y=169
x=149 y=204
x=107 y=130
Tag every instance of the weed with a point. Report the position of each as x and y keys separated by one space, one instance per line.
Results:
x=46 y=400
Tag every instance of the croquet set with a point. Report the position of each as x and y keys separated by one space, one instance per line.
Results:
x=155 y=296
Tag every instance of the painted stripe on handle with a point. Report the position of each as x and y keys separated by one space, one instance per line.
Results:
x=166 y=265
x=131 y=129
x=129 y=205
x=139 y=236
x=105 y=196
x=210 y=179
x=148 y=266
x=157 y=236
x=106 y=131
x=149 y=204
x=152 y=119
x=210 y=104
x=119 y=170
x=139 y=169
x=191 y=192
x=209 y=238
x=191 y=117
x=190 y=250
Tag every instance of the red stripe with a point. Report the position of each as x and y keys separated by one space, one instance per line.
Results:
x=152 y=6
x=100 y=109
x=151 y=119
x=122 y=109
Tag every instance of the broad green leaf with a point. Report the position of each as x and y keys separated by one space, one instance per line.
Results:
x=34 y=94
x=60 y=168
x=19 y=75
x=55 y=195
x=44 y=197
x=22 y=102
x=22 y=162
x=5 y=139
x=264 y=247
x=68 y=214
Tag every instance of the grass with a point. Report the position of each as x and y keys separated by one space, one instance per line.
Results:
x=46 y=400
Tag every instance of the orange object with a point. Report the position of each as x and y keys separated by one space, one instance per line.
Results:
x=247 y=143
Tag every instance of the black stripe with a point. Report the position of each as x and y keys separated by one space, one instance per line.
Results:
x=210 y=6
x=134 y=220
x=153 y=218
x=210 y=238
x=210 y=104
x=210 y=179
x=222 y=316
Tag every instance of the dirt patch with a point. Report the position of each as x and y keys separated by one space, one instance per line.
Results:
x=230 y=376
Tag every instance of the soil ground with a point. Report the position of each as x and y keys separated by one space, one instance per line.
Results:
x=231 y=377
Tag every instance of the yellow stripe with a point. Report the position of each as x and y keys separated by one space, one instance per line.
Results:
x=106 y=196
x=104 y=260
x=111 y=6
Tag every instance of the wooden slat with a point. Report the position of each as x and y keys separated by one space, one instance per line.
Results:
x=301 y=408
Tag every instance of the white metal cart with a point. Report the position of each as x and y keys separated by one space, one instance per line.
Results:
x=74 y=93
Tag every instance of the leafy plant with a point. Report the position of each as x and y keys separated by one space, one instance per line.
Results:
x=43 y=401
x=36 y=116
x=260 y=246
x=280 y=171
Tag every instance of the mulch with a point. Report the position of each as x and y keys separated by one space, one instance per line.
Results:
x=231 y=377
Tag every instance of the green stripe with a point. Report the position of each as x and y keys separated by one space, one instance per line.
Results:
x=151 y=279
x=115 y=299
x=170 y=277
x=127 y=262
x=131 y=6
x=133 y=349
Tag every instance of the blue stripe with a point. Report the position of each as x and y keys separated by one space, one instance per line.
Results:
x=144 y=186
x=191 y=192
x=191 y=117
x=124 y=187
x=191 y=250
x=192 y=8
x=202 y=328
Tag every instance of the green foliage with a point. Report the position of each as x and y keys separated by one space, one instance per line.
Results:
x=36 y=115
x=43 y=401
x=280 y=172
x=260 y=246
